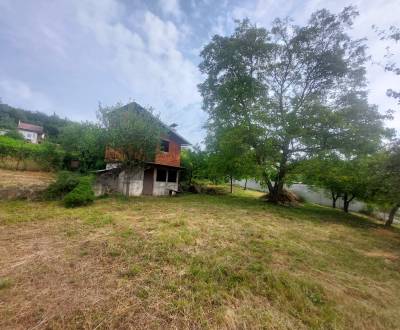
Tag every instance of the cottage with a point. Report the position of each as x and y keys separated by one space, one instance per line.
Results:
x=31 y=133
x=158 y=177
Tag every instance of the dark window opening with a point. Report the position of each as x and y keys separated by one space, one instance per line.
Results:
x=161 y=175
x=172 y=174
x=164 y=146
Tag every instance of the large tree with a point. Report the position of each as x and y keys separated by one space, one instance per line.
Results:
x=298 y=91
x=391 y=35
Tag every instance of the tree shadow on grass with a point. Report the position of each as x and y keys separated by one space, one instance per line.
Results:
x=305 y=212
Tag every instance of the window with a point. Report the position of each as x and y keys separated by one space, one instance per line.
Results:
x=164 y=146
x=172 y=175
x=161 y=175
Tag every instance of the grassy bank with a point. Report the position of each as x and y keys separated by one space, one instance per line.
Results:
x=195 y=262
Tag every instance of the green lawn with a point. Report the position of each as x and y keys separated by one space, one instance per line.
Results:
x=195 y=261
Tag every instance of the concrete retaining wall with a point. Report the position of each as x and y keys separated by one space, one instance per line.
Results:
x=309 y=194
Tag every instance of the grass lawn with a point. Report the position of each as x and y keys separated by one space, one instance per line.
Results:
x=195 y=261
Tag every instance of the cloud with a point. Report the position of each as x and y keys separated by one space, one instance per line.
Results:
x=147 y=61
x=21 y=94
x=69 y=54
x=170 y=7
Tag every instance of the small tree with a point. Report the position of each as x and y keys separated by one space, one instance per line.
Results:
x=133 y=133
x=195 y=163
x=229 y=156
x=344 y=179
x=322 y=173
x=87 y=141
x=384 y=180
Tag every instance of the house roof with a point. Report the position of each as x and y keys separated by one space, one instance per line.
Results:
x=30 y=127
x=172 y=133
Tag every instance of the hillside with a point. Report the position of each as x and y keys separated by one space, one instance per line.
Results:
x=195 y=261
x=52 y=124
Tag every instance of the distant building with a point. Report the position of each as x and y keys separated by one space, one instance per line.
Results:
x=32 y=133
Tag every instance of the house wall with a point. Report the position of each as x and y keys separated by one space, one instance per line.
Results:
x=31 y=136
x=171 y=158
x=132 y=180
x=109 y=182
x=161 y=188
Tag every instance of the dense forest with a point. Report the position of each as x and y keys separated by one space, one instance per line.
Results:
x=52 y=124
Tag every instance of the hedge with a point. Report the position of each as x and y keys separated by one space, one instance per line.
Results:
x=48 y=155
x=82 y=194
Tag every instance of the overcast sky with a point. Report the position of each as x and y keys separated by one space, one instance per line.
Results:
x=66 y=56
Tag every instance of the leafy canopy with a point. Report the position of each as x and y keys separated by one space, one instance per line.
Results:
x=132 y=131
x=296 y=91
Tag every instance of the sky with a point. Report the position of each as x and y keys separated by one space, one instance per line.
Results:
x=67 y=56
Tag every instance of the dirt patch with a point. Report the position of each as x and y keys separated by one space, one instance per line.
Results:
x=23 y=184
x=382 y=254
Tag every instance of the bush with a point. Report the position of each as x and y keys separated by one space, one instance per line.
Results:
x=14 y=134
x=48 y=155
x=82 y=194
x=206 y=187
x=65 y=183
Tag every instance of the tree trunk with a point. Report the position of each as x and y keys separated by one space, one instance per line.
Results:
x=275 y=194
x=392 y=213
x=277 y=190
x=127 y=182
x=190 y=178
x=334 y=199
x=346 y=202
x=245 y=184
x=231 y=178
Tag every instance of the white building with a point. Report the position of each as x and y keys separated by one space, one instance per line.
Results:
x=32 y=133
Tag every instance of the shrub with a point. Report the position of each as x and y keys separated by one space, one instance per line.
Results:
x=65 y=183
x=206 y=187
x=14 y=134
x=48 y=155
x=82 y=194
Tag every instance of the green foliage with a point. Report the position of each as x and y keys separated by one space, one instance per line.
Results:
x=391 y=35
x=229 y=156
x=84 y=142
x=9 y=117
x=343 y=178
x=81 y=195
x=383 y=180
x=195 y=162
x=131 y=130
x=65 y=183
x=14 y=134
x=48 y=155
x=294 y=91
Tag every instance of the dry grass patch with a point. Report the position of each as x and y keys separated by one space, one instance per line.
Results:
x=10 y=179
x=230 y=262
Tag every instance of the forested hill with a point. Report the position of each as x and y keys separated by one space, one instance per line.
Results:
x=52 y=124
